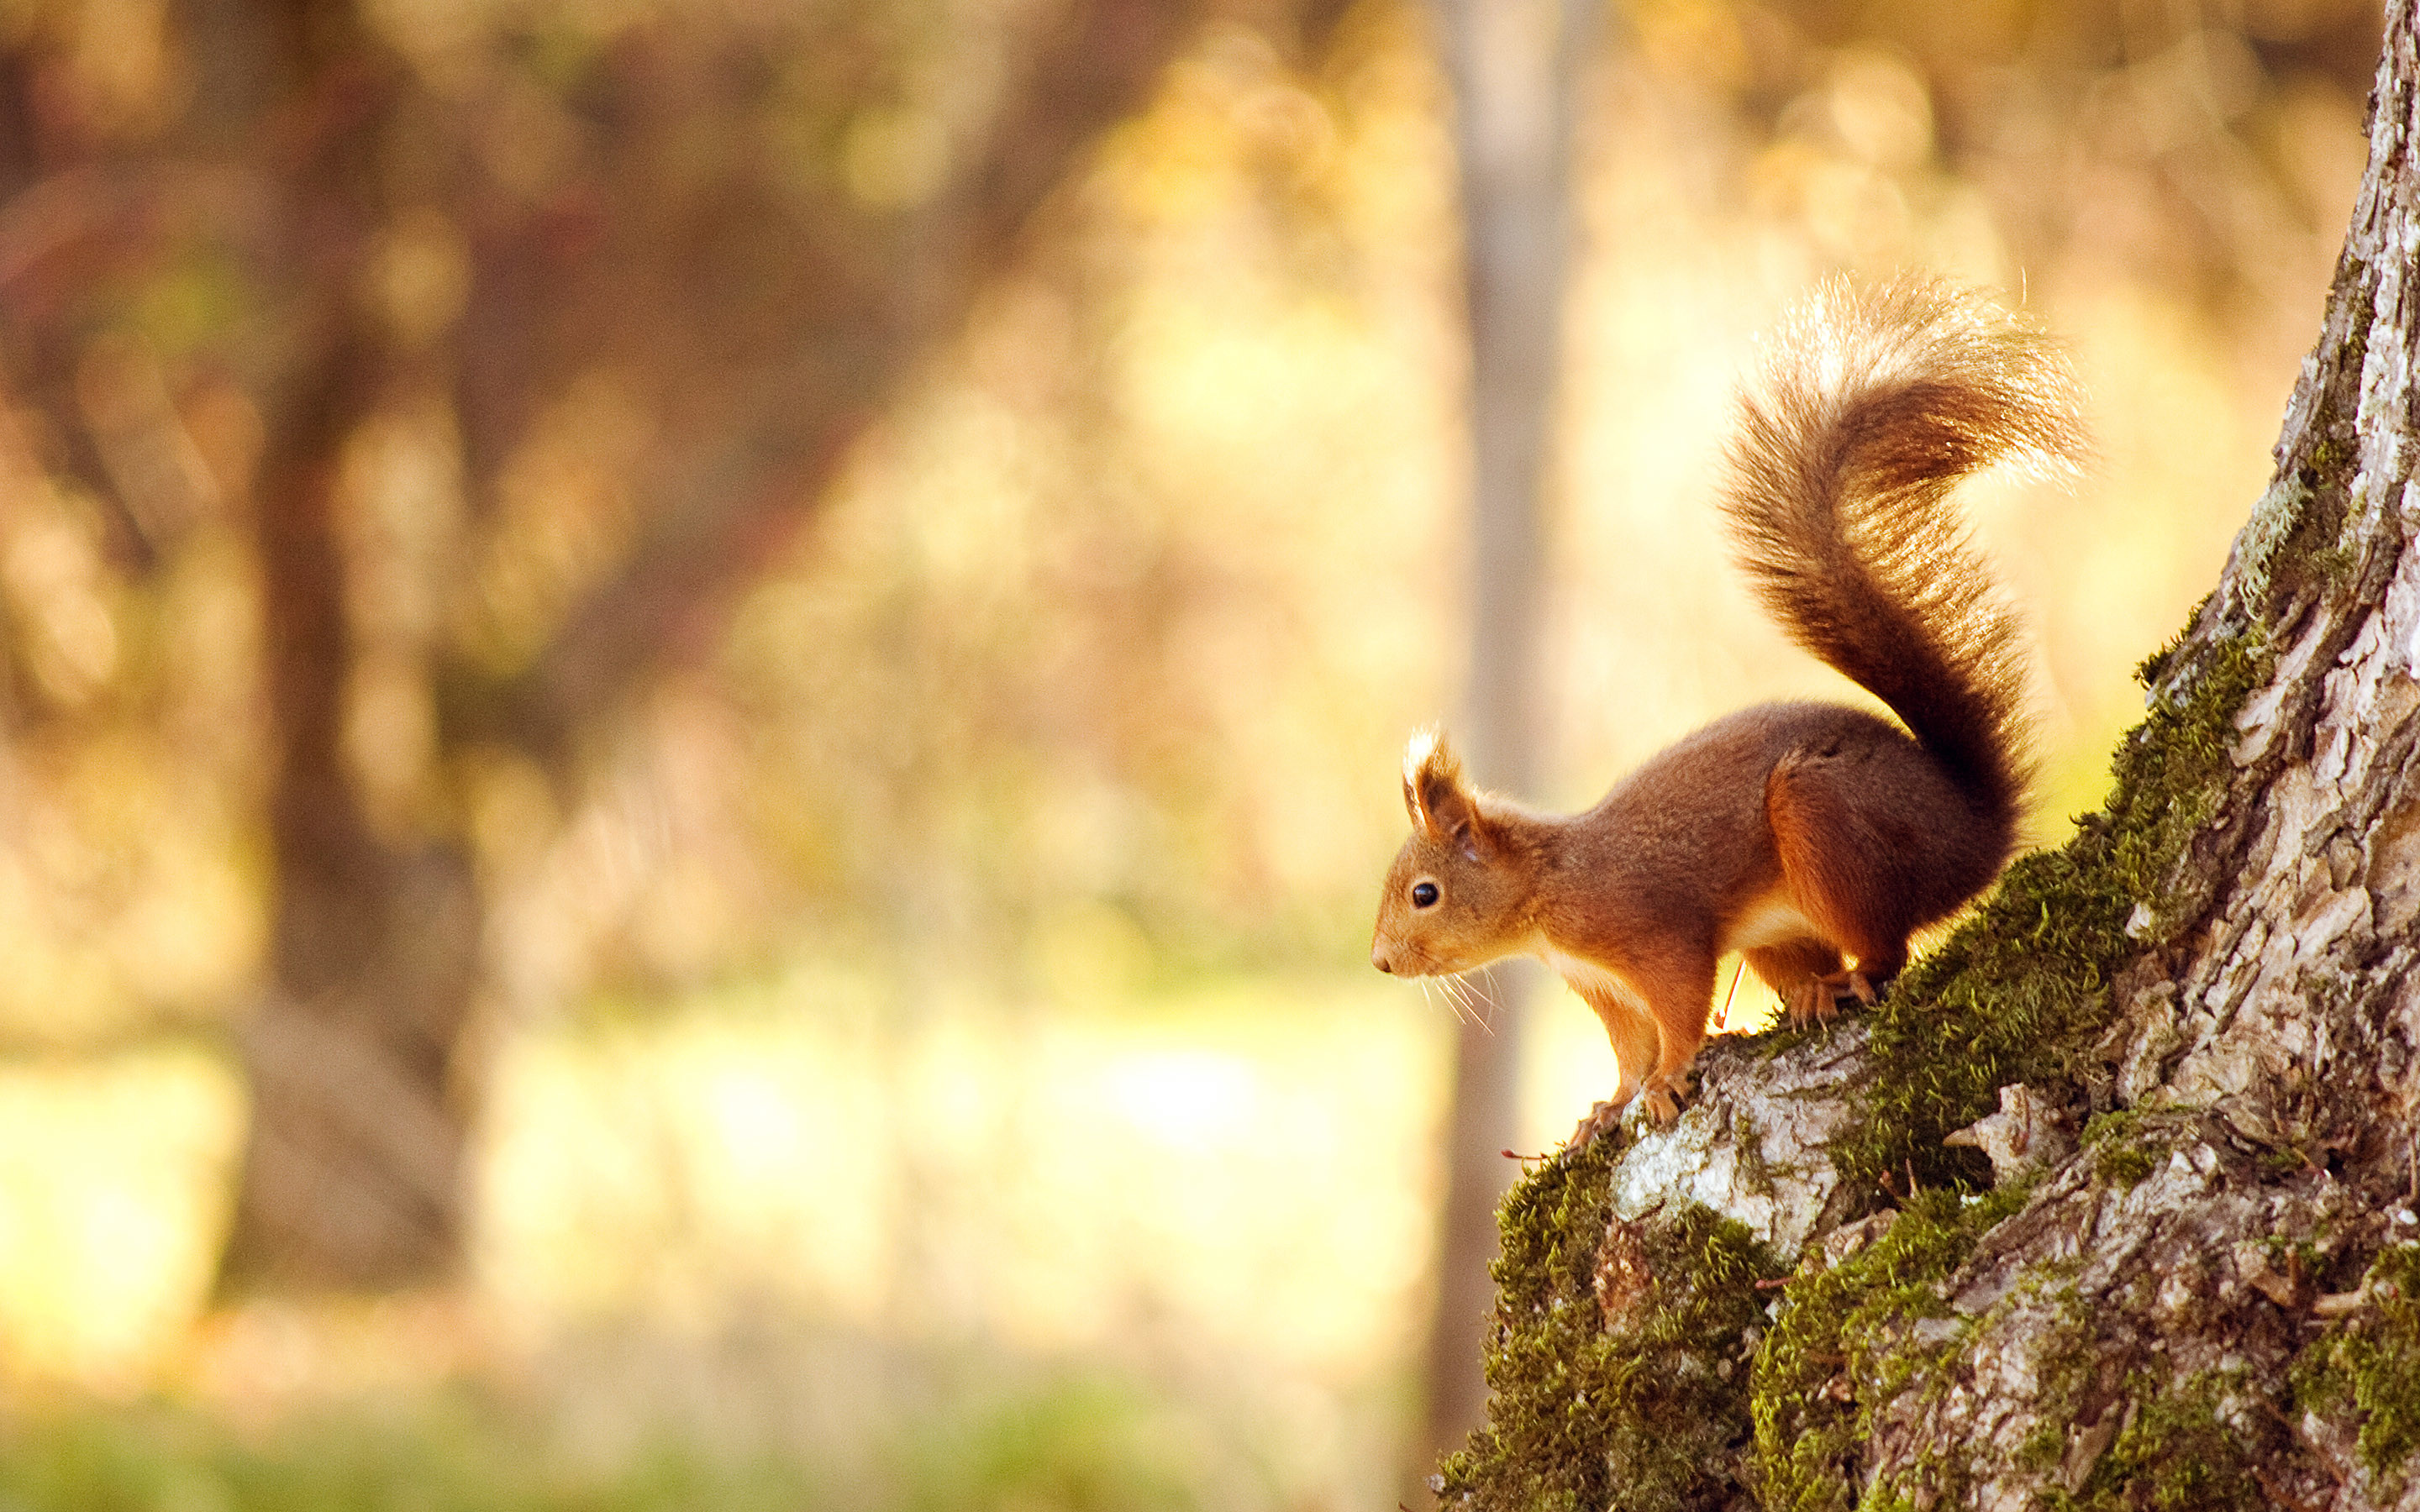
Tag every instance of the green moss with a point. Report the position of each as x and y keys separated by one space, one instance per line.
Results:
x=2020 y=992
x=2126 y=1146
x=1644 y=1411
x=1842 y=1345
x=2065 y=1363
x=2284 y=1252
x=1756 y=1177
x=2125 y=1166
x=2189 y=1445
x=2371 y=1364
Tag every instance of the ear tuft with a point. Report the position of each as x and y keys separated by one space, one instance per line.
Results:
x=1434 y=793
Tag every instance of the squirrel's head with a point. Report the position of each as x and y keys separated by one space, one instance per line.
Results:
x=1458 y=895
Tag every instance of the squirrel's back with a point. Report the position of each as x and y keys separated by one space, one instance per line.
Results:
x=1875 y=402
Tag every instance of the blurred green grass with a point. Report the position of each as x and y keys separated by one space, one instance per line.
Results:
x=1072 y=1442
x=773 y=1248
x=450 y=1451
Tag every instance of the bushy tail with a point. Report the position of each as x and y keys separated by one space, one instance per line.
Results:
x=1875 y=402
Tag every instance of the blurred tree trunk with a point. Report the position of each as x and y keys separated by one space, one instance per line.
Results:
x=351 y=1173
x=361 y=1076
x=1515 y=66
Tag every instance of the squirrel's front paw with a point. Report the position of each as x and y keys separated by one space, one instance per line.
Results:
x=1665 y=1095
x=1599 y=1119
x=1663 y=1108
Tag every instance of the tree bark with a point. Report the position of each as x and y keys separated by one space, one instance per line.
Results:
x=2191 y=1273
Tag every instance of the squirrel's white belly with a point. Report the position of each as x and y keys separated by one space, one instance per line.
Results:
x=1771 y=920
x=1587 y=976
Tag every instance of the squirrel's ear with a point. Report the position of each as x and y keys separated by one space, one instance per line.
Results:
x=1440 y=803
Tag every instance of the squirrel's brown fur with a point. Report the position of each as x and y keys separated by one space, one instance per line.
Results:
x=1813 y=838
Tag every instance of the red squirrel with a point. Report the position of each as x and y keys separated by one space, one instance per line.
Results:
x=1811 y=838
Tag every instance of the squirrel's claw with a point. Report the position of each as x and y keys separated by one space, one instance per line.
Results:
x=1812 y=1001
x=1599 y=1119
x=1818 y=999
x=1661 y=1106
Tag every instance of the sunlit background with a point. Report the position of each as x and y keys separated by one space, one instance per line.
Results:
x=924 y=1055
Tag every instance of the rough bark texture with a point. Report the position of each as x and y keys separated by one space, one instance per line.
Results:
x=2181 y=1265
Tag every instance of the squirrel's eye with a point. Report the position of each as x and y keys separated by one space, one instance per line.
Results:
x=1424 y=895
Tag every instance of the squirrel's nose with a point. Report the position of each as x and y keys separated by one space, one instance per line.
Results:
x=1378 y=959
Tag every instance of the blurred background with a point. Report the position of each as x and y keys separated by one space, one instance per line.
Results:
x=701 y=697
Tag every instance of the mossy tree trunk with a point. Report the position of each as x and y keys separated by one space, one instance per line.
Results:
x=2179 y=1265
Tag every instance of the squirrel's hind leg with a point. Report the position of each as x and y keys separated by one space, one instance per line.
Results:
x=1865 y=981
x=1839 y=867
